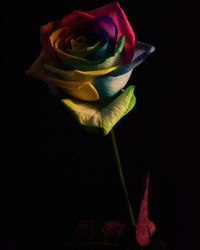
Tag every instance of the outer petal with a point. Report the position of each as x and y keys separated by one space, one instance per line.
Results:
x=76 y=18
x=45 y=32
x=77 y=75
x=142 y=51
x=101 y=117
x=114 y=11
x=109 y=86
x=82 y=90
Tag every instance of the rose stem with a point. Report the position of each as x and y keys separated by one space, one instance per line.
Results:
x=121 y=176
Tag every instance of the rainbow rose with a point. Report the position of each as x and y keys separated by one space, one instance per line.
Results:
x=90 y=57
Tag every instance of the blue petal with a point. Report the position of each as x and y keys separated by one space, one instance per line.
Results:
x=142 y=51
x=109 y=86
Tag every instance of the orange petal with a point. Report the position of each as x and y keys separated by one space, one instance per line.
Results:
x=65 y=57
x=81 y=90
x=45 y=33
x=57 y=38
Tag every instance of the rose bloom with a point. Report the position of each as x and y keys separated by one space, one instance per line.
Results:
x=89 y=56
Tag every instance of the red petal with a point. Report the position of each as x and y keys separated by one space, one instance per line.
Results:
x=75 y=18
x=144 y=227
x=115 y=12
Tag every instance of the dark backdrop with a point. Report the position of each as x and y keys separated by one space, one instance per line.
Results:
x=53 y=173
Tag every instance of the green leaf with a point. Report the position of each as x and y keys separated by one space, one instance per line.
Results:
x=102 y=117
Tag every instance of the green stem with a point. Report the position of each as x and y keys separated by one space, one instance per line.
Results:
x=121 y=177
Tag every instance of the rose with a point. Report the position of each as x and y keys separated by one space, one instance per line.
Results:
x=90 y=56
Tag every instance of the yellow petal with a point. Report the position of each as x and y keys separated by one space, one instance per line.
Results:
x=59 y=33
x=82 y=90
x=57 y=38
x=78 y=75
x=65 y=57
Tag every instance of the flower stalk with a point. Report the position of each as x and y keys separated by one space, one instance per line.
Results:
x=121 y=177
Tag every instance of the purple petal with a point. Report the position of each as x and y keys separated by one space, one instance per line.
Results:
x=115 y=12
x=142 y=51
x=107 y=24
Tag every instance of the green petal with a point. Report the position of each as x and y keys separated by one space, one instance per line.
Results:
x=102 y=117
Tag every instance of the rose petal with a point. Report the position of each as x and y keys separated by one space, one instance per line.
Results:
x=112 y=60
x=145 y=228
x=101 y=117
x=97 y=51
x=142 y=51
x=45 y=32
x=66 y=58
x=142 y=232
x=83 y=51
x=58 y=38
x=60 y=34
x=81 y=90
x=76 y=18
x=77 y=75
x=109 y=86
x=94 y=32
x=107 y=24
x=114 y=11
x=100 y=52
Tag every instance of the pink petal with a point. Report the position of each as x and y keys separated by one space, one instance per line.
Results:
x=144 y=227
x=114 y=11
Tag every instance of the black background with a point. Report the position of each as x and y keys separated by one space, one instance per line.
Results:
x=53 y=173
